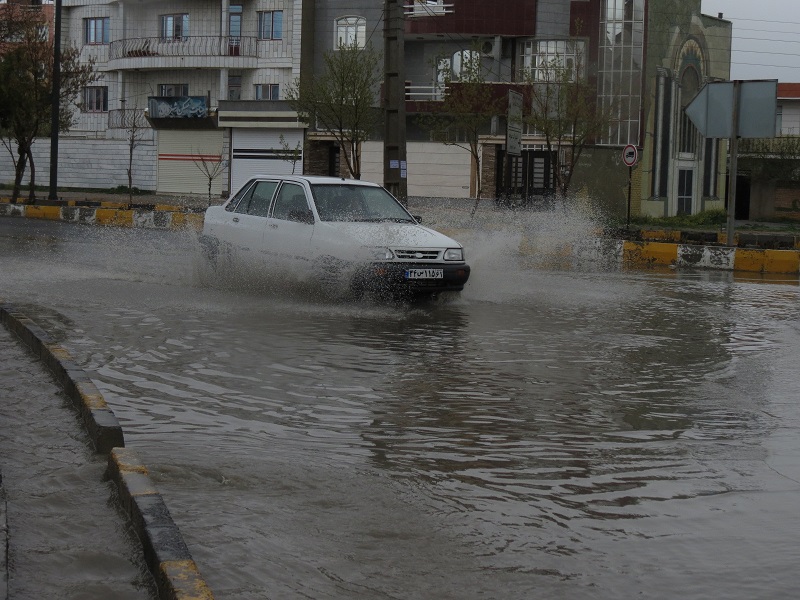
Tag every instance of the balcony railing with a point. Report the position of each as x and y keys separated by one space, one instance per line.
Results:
x=428 y=8
x=200 y=45
x=127 y=118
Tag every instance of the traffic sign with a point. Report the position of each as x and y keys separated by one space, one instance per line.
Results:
x=630 y=155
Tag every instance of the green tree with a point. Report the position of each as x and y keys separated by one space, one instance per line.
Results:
x=564 y=110
x=466 y=110
x=26 y=68
x=341 y=100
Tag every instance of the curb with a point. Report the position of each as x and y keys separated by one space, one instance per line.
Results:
x=175 y=573
x=3 y=543
x=110 y=214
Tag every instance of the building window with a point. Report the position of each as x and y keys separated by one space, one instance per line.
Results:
x=351 y=31
x=96 y=31
x=546 y=60
x=173 y=90
x=95 y=99
x=267 y=91
x=174 y=27
x=270 y=25
x=234 y=87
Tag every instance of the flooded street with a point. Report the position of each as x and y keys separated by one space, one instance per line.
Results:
x=551 y=434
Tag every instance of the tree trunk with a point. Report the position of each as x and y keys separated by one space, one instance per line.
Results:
x=19 y=173
x=32 y=186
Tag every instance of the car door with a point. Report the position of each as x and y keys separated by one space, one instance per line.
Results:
x=290 y=226
x=249 y=220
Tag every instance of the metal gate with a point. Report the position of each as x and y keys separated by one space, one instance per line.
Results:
x=525 y=180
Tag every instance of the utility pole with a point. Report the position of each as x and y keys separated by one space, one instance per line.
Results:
x=56 y=91
x=395 y=166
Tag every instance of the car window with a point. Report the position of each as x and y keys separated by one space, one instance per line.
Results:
x=290 y=203
x=261 y=198
x=348 y=202
x=242 y=196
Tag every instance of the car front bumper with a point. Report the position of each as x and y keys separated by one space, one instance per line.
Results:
x=395 y=277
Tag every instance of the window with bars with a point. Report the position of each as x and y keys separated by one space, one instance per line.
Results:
x=95 y=99
x=545 y=60
x=96 y=30
x=270 y=25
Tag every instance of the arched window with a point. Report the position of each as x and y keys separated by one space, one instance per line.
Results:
x=351 y=31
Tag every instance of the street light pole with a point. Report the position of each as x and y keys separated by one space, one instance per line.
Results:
x=56 y=92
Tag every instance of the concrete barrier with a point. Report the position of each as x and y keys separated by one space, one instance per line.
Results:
x=111 y=214
x=174 y=571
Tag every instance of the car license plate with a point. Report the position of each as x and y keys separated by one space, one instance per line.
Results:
x=425 y=274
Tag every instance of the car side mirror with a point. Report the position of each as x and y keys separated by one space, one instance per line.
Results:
x=417 y=218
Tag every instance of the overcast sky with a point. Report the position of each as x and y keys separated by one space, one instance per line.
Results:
x=766 y=44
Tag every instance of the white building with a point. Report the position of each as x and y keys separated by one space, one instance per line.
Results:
x=164 y=67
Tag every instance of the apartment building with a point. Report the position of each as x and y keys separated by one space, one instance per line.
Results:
x=205 y=80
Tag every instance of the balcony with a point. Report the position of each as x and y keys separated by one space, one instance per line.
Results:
x=428 y=8
x=127 y=119
x=195 y=52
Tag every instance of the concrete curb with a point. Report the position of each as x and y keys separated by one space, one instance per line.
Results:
x=104 y=430
x=167 y=556
x=108 y=213
x=3 y=543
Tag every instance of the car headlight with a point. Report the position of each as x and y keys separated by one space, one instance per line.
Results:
x=454 y=254
x=380 y=254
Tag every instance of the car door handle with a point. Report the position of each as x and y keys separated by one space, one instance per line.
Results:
x=235 y=219
x=273 y=225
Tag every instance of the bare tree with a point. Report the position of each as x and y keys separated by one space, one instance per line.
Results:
x=211 y=168
x=133 y=121
x=342 y=100
x=565 y=111
x=26 y=68
x=467 y=109
x=289 y=154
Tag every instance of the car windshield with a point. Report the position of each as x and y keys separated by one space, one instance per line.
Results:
x=347 y=202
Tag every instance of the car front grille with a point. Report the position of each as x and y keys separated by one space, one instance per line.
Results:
x=417 y=254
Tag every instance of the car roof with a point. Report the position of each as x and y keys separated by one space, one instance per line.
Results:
x=317 y=179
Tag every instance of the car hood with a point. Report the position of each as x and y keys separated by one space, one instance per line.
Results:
x=391 y=235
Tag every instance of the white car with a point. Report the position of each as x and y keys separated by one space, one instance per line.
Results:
x=332 y=229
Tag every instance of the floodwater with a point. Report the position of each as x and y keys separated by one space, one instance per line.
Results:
x=547 y=434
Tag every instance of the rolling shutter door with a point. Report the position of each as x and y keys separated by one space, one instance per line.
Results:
x=182 y=158
x=258 y=152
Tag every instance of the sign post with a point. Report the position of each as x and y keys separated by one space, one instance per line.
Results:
x=630 y=156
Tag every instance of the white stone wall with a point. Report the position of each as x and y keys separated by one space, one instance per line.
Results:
x=87 y=163
x=434 y=169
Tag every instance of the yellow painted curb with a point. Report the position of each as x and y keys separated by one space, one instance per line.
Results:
x=187 y=220
x=652 y=253
x=781 y=261
x=185 y=580
x=52 y=213
x=114 y=217
x=748 y=260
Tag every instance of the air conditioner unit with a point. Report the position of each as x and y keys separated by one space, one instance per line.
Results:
x=492 y=48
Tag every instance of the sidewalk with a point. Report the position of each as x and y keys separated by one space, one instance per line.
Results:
x=59 y=534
